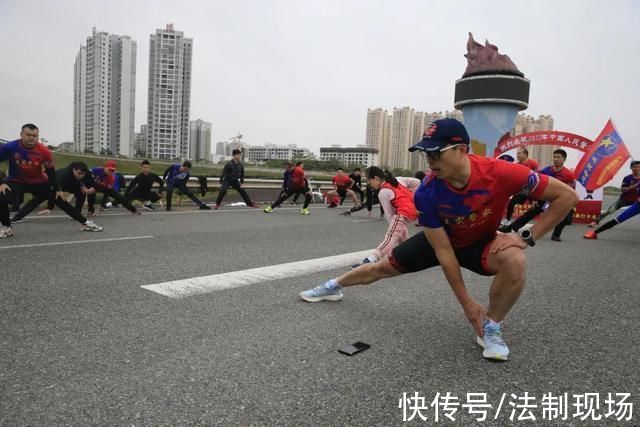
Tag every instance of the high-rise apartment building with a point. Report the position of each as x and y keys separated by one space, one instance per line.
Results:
x=402 y=130
x=200 y=140
x=417 y=160
x=375 y=128
x=170 y=56
x=140 y=147
x=104 y=95
x=543 y=154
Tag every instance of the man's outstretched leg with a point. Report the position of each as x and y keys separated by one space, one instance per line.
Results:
x=364 y=275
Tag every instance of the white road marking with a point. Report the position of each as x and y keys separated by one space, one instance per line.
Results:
x=253 y=276
x=75 y=242
x=162 y=212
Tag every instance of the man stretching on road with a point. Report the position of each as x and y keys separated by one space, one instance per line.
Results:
x=341 y=188
x=460 y=204
x=233 y=176
x=140 y=187
x=296 y=184
x=628 y=193
x=31 y=171
x=177 y=176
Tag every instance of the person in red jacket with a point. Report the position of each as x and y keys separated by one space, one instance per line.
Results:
x=341 y=188
x=396 y=198
x=518 y=199
x=296 y=184
x=562 y=174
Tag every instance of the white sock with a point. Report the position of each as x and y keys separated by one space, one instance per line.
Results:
x=493 y=323
x=332 y=284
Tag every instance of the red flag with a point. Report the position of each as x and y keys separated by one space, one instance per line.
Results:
x=603 y=160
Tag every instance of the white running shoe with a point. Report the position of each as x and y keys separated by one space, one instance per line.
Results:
x=492 y=342
x=91 y=226
x=5 y=232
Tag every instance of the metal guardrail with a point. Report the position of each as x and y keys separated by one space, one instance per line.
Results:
x=249 y=183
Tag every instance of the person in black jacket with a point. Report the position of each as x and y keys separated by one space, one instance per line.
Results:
x=77 y=180
x=233 y=176
x=140 y=187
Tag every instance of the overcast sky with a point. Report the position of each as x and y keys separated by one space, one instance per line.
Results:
x=305 y=72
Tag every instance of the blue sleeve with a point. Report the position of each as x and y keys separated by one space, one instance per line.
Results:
x=5 y=152
x=427 y=208
x=547 y=171
x=626 y=181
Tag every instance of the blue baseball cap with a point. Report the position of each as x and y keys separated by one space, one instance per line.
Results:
x=442 y=133
x=507 y=158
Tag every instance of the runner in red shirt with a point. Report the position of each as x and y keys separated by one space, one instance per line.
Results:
x=460 y=204
x=561 y=173
x=296 y=184
x=31 y=171
x=341 y=188
x=519 y=199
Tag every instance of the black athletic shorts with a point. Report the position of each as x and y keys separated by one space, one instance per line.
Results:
x=416 y=254
x=342 y=192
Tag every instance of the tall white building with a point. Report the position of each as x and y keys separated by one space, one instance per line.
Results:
x=170 y=55
x=200 y=140
x=140 y=147
x=378 y=131
x=104 y=95
x=401 y=138
x=375 y=128
x=417 y=160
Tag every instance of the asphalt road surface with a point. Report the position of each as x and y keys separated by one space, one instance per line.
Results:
x=82 y=343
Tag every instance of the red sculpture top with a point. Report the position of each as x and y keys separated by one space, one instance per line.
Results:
x=486 y=60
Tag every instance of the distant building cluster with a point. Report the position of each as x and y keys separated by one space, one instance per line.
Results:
x=393 y=133
x=104 y=112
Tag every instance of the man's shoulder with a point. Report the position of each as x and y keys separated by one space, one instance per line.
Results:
x=11 y=145
x=42 y=148
x=549 y=171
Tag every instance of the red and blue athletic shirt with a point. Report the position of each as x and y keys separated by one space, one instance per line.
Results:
x=531 y=164
x=402 y=200
x=630 y=196
x=473 y=213
x=173 y=175
x=296 y=179
x=27 y=166
x=286 y=176
x=102 y=180
x=564 y=175
x=342 y=182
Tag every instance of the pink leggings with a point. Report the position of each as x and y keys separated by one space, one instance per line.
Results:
x=396 y=234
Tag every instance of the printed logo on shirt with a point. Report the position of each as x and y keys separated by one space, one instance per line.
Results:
x=532 y=184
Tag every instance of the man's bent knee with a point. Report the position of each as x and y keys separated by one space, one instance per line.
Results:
x=511 y=261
